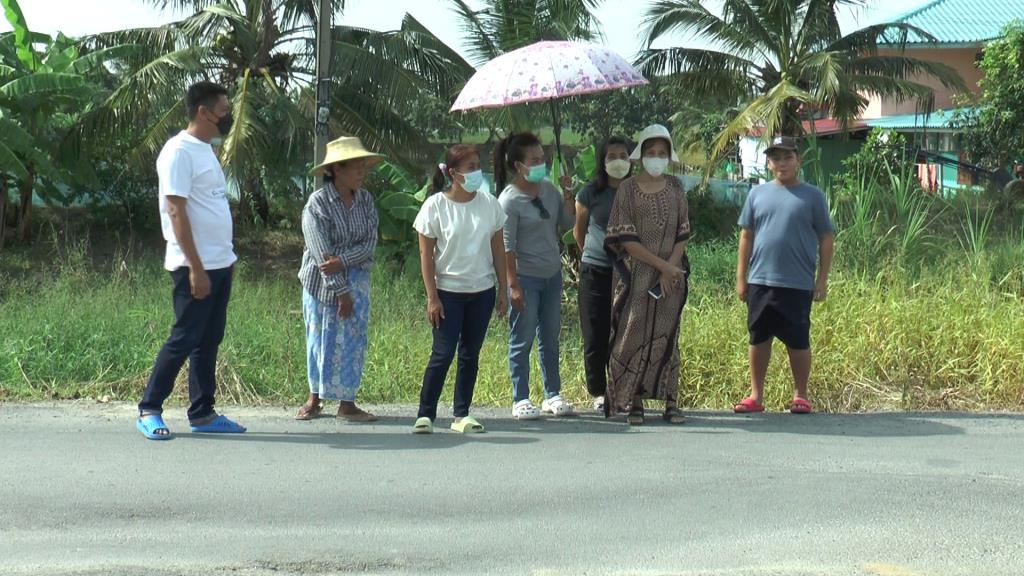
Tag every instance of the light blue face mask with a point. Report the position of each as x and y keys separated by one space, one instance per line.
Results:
x=474 y=180
x=537 y=173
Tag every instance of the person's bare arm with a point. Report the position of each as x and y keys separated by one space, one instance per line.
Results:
x=428 y=268
x=501 y=271
x=515 y=290
x=826 y=249
x=197 y=276
x=579 y=231
x=743 y=262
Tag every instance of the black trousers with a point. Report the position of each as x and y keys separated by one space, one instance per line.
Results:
x=196 y=336
x=466 y=317
x=595 y=304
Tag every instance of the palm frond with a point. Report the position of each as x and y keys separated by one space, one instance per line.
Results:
x=895 y=35
x=478 y=33
x=183 y=5
x=705 y=72
x=766 y=112
x=905 y=67
x=93 y=60
x=690 y=16
x=820 y=26
x=154 y=137
x=360 y=114
x=249 y=135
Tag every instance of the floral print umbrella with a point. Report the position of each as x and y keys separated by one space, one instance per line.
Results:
x=547 y=71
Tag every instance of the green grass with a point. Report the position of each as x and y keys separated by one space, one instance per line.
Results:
x=945 y=336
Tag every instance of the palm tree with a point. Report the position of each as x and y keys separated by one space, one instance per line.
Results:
x=787 y=60
x=264 y=52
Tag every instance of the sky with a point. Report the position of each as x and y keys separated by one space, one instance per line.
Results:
x=622 y=20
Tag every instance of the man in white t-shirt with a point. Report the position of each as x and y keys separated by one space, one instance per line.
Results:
x=196 y=221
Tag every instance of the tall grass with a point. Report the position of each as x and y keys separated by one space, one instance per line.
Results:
x=945 y=336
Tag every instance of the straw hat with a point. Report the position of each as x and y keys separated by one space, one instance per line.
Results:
x=654 y=131
x=343 y=149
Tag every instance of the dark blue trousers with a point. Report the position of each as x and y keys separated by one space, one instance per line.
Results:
x=196 y=336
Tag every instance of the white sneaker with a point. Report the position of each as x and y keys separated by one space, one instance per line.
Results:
x=525 y=410
x=556 y=406
x=599 y=404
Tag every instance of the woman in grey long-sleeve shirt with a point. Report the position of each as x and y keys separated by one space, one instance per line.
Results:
x=536 y=213
x=339 y=224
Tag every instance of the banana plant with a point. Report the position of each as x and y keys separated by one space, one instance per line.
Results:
x=400 y=202
x=45 y=83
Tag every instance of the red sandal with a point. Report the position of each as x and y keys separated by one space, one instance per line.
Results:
x=800 y=406
x=748 y=406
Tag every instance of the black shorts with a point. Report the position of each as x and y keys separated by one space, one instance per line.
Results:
x=783 y=313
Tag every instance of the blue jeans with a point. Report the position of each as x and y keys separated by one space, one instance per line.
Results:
x=543 y=317
x=463 y=327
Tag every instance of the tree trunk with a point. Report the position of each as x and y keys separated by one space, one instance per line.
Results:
x=3 y=209
x=254 y=203
x=262 y=204
x=25 y=209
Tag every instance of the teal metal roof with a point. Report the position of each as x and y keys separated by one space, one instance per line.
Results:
x=963 y=21
x=938 y=120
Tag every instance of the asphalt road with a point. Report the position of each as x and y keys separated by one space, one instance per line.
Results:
x=81 y=492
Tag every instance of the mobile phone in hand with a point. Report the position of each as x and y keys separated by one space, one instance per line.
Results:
x=655 y=291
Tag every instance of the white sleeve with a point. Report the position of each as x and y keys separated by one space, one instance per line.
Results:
x=426 y=220
x=499 y=216
x=175 y=174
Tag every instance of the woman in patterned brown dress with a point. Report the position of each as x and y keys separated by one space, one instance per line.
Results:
x=648 y=230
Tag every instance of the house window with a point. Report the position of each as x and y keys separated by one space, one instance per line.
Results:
x=946 y=143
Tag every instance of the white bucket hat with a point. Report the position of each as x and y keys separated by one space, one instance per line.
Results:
x=654 y=131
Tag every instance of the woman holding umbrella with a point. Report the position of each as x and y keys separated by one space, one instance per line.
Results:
x=536 y=213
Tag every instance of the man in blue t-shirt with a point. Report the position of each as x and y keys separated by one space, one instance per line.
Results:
x=786 y=229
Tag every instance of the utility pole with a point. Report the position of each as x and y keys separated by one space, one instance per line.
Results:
x=323 y=82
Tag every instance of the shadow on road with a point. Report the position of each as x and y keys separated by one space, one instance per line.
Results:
x=345 y=440
x=873 y=425
x=393 y=432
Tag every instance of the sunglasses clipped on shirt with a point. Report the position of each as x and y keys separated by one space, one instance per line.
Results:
x=544 y=214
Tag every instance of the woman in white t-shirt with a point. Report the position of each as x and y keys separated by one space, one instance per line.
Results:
x=462 y=257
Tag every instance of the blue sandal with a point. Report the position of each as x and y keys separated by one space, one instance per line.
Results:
x=221 y=425
x=150 y=425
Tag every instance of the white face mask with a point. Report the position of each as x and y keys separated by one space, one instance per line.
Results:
x=655 y=166
x=617 y=168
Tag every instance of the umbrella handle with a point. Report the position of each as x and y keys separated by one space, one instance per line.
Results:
x=557 y=126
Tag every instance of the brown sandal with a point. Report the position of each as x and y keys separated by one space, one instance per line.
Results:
x=635 y=417
x=307 y=412
x=359 y=415
x=673 y=416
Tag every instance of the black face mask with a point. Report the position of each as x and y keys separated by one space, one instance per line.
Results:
x=224 y=124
